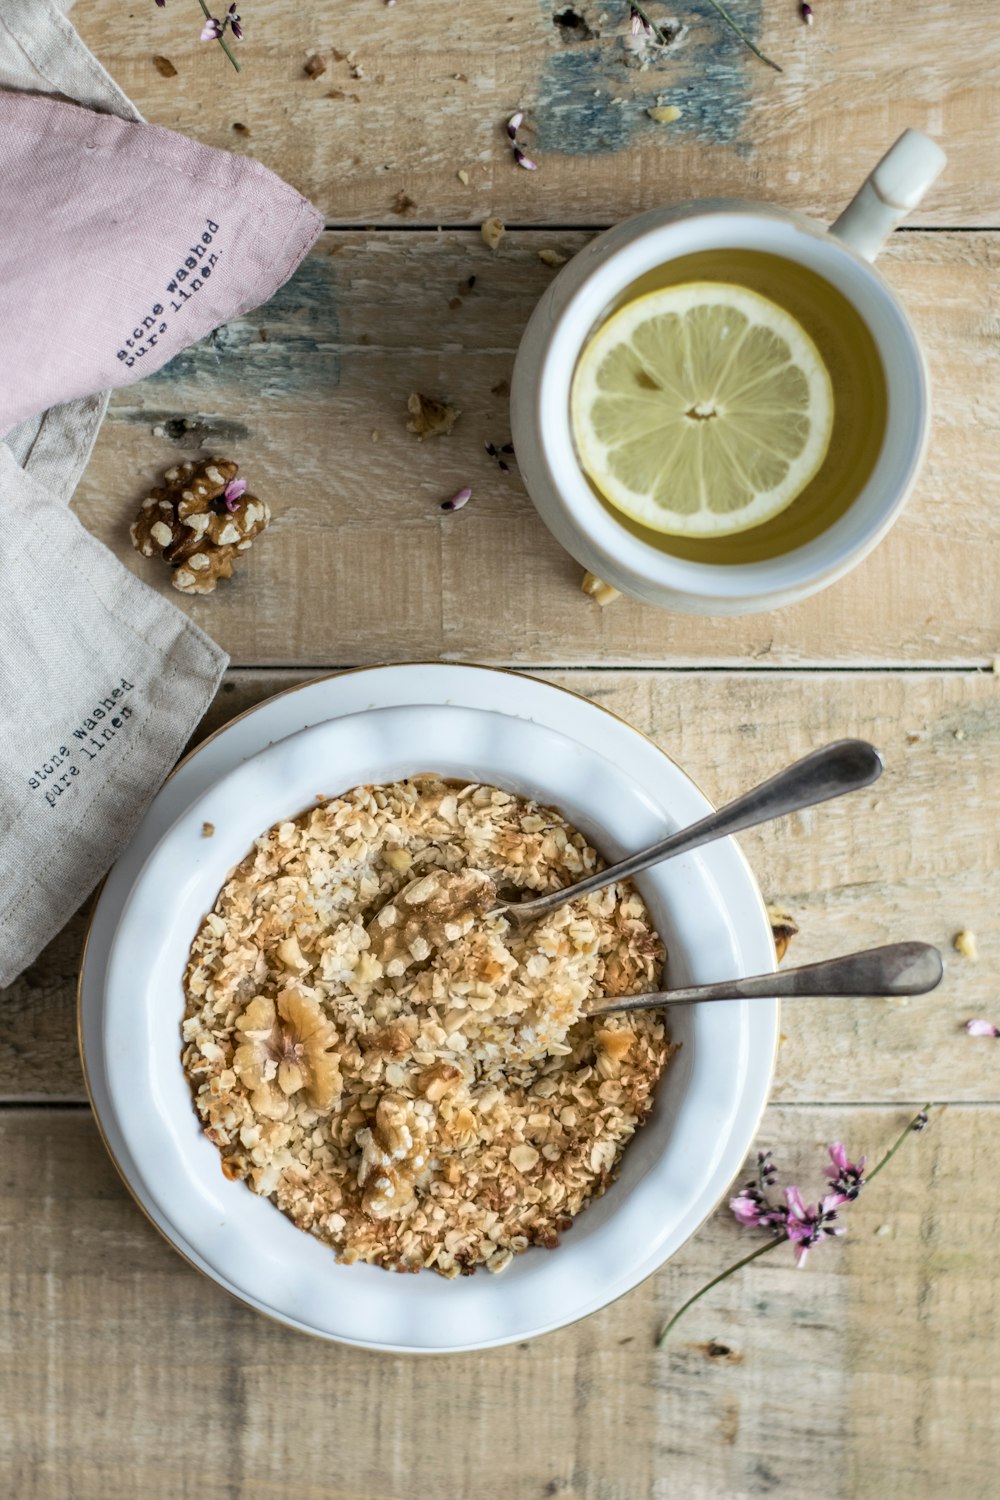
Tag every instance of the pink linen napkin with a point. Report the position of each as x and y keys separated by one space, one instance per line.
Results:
x=121 y=244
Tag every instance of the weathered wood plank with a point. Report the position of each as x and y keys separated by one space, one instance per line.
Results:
x=360 y=564
x=777 y=1371
x=916 y=858
x=415 y=96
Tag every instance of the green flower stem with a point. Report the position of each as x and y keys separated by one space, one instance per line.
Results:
x=781 y=1239
x=220 y=39
x=743 y=36
x=893 y=1149
x=660 y=36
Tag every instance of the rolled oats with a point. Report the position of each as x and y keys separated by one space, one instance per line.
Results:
x=438 y=1102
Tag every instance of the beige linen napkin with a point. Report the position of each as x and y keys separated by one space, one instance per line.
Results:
x=101 y=680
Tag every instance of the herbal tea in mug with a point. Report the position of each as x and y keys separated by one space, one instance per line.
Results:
x=720 y=407
x=730 y=406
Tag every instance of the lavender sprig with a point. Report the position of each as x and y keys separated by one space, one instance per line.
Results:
x=793 y=1222
x=214 y=30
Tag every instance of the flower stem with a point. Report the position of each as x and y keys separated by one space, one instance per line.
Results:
x=722 y=1276
x=743 y=36
x=221 y=39
x=782 y=1238
x=894 y=1148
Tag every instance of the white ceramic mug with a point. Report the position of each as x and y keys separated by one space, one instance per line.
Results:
x=579 y=298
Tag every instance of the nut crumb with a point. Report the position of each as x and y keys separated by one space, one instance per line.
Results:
x=315 y=66
x=428 y=417
x=664 y=114
x=783 y=929
x=207 y=830
x=493 y=231
x=964 y=942
x=462 y=176
x=552 y=258
x=164 y=67
x=601 y=593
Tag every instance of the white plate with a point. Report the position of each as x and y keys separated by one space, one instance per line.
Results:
x=623 y=792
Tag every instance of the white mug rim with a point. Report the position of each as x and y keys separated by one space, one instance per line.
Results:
x=871 y=513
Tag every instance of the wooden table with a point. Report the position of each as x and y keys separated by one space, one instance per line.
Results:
x=875 y=1371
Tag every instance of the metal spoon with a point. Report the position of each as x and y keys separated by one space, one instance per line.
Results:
x=844 y=766
x=439 y=904
x=898 y=969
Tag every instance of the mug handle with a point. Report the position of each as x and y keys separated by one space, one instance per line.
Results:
x=891 y=191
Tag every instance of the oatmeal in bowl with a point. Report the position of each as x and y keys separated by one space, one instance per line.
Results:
x=409 y=1078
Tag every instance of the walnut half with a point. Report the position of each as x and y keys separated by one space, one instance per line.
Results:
x=193 y=526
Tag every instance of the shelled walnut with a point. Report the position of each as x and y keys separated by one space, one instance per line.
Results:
x=198 y=521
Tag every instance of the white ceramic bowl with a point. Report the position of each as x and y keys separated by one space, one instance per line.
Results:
x=707 y=906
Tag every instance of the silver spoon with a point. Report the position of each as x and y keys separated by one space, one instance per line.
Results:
x=844 y=766
x=437 y=905
x=899 y=969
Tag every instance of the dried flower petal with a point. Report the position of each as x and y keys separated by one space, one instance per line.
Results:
x=982 y=1028
x=458 y=500
x=234 y=491
x=524 y=161
x=514 y=123
x=807 y=14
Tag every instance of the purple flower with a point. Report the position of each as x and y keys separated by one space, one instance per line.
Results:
x=639 y=22
x=212 y=30
x=982 y=1028
x=514 y=124
x=748 y=1209
x=232 y=16
x=234 y=490
x=524 y=161
x=806 y=1227
x=846 y=1177
x=457 y=501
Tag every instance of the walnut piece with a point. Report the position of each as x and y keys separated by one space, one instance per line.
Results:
x=430 y=418
x=286 y=1051
x=190 y=524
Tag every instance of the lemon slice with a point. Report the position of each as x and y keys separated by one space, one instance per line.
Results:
x=701 y=410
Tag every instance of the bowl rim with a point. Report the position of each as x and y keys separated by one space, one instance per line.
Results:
x=167 y=1230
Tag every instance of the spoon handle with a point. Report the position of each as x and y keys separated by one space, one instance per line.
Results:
x=899 y=969
x=844 y=766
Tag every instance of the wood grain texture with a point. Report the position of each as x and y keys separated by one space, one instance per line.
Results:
x=916 y=857
x=309 y=395
x=125 y=1373
x=436 y=87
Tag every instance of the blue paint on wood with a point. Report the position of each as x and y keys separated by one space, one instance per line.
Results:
x=300 y=347
x=710 y=76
